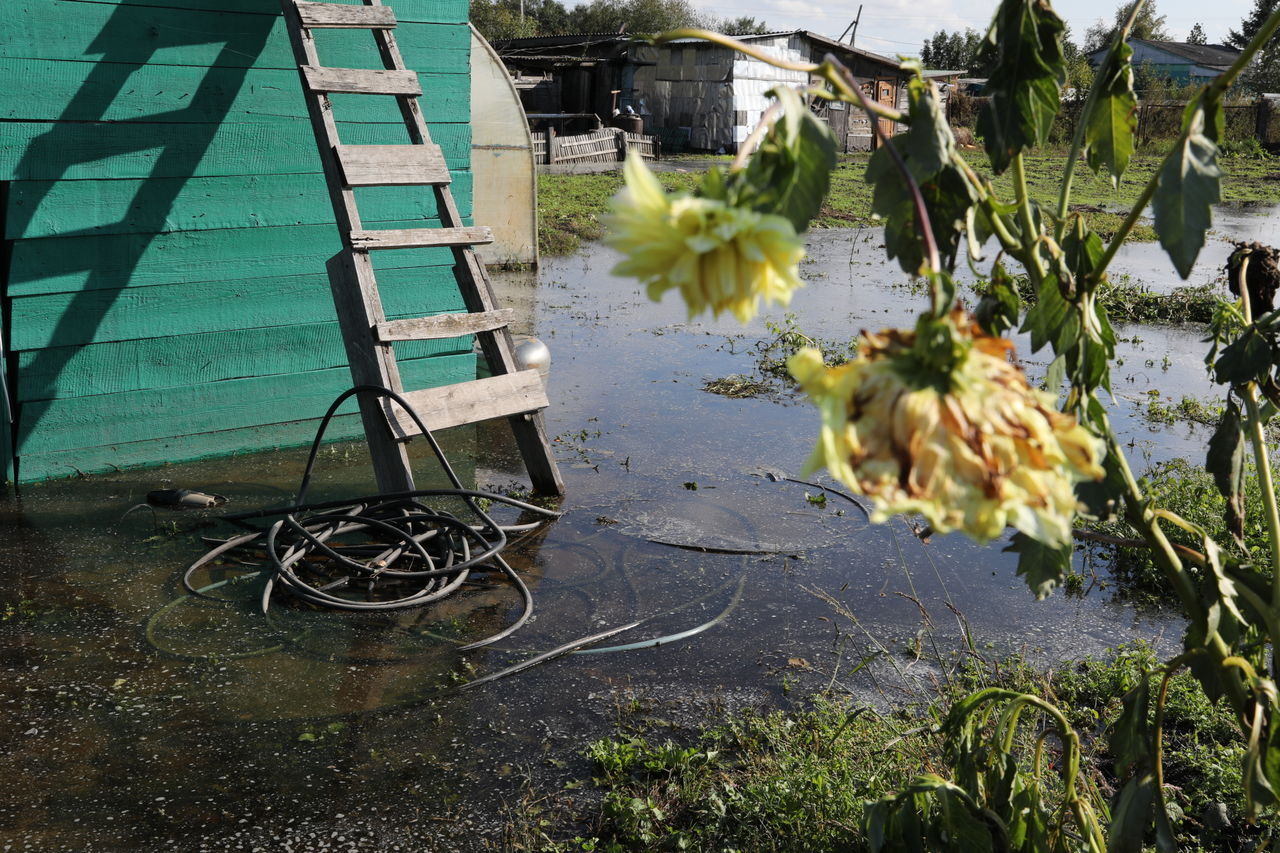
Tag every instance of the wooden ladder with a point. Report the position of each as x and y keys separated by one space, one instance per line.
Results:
x=509 y=392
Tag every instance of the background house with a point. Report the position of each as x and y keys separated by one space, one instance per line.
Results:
x=710 y=97
x=1179 y=62
x=691 y=94
x=166 y=223
x=572 y=83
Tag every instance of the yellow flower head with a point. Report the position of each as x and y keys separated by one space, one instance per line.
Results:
x=976 y=449
x=719 y=256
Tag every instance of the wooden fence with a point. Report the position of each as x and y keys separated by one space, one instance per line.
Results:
x=1156 y=119
x=606 y=145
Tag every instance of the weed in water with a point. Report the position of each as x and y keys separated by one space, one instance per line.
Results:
x=798 y=780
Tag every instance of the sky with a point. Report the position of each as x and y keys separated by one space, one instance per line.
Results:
x=892 y=27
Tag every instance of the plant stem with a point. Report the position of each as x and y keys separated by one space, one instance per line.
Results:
x=842 y=78
x=1030 y=234
x=1165 y=556
x=999 y=227
x=1077 y=141
x=1214 y=89
x=752 y=142
x=1259 y=441
x=1122 y=233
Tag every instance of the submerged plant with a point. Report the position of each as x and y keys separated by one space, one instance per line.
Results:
x=936 y=420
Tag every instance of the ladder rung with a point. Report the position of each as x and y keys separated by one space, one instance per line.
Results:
x=360 y=81
x=467 y=402
x=419 y=238
x=340 y=15
x=444 y=326
x=392 y=165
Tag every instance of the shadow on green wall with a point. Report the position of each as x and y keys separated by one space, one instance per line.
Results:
x=195 y=124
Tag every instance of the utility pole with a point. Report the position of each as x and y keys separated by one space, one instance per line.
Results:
x=853 y=27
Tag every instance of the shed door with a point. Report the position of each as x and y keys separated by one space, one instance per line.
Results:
x=886 y=95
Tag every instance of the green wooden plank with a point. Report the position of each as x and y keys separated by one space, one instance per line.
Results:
x=88 y=32
x=97 y=316
x=116 y=367
x=62 y=464
x=82 y=150
x=438 y=11
x=119 y=91
x=458 y=443
x=110 y=261
x=67 y=424
x=62 y=208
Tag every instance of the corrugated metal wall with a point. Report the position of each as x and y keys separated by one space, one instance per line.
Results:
x=167 y=224
x=716 y=94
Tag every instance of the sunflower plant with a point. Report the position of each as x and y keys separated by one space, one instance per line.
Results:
x=939 y=420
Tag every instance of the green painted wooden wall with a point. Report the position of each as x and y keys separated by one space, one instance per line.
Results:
x=165 y=226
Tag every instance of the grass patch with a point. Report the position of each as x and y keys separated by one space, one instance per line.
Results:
x=1127 y=302
x=1188 y=410
x=769 y=376
x=570 y=206
x=1189 y=491
x=798 y=780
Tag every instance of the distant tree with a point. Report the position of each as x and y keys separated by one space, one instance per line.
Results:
x=1263 y=74
x=957 y=51
x=502 y=19
x=1196 y=36
x=1249 y=27
x=635 y=16
x=743 y=26
x=1150 y=25
x=1070 y=50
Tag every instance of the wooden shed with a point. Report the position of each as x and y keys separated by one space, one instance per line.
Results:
x=166 y=223
x=709 y=97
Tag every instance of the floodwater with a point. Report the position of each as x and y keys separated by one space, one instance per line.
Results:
x=136 y=718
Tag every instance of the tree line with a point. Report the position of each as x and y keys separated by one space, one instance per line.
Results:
x=959 y=50
x=505 y=19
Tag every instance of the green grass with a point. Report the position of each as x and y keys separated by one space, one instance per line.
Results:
x=797 y=780
x=570 y=206
x=1188 y=490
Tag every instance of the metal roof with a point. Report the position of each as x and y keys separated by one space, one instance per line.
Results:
x=525 y=46
x=1209 y=55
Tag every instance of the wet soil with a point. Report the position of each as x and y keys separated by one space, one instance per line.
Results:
x=136 y=718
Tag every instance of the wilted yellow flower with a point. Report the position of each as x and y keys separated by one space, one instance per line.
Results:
x=972 y=449
x=719 y=256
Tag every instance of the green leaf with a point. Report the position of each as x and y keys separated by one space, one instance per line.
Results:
x=947 y=199
x=1131 y=733
x=1082 y=250
x=790 y=172
x=1101 y=498
x=965 y=830
x=1131 y=815
x=1048 y=318
x=1225 y=461
x=1055 y=374
x=929 y=143
x=1000 y=306
x=1024 y=50
x=1112 y=120
x=1042 y=566
x=1246 y=359
x=1188 y=186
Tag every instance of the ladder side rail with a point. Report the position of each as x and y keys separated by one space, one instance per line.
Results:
x=352 y=280
x=371 y=364
x=497 y=346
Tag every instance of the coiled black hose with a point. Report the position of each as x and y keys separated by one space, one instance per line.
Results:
x=377 y=553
